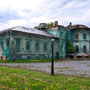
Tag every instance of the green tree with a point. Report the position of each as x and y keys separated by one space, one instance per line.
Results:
x=50 y=24
x=57 y=55
x=46 y=25
x=70 y=48
x=36 y=27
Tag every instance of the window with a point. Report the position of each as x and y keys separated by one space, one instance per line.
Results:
x=45 y=46
x=76 y=48
x=37 y=46
x=17 y=44
x=84 y=49
x=7 y=43
x=76 y=36
x=27 y=45
x=1 y=42
x=17 y=41
x=84 y=36
x=61 y=33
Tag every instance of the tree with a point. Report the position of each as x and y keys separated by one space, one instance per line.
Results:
x=46 y=25
x=36 y=27
x=70 y=48
x=50 y=24
x=57 y=55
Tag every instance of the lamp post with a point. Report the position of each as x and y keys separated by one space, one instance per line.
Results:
x=52 y=63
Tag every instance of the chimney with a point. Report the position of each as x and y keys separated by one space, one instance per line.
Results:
x=56 y=23
x=41 y=25
x=70 y=24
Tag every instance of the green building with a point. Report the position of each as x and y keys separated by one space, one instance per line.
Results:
x=27 y=43
x=80 y=37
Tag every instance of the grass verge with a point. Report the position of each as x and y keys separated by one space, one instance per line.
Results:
x=18 y=79
x=25 y=61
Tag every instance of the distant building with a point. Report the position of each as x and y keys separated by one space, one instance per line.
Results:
x=27 y=43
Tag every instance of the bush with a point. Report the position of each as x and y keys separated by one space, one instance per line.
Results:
x=57 y=55
x=70 y=48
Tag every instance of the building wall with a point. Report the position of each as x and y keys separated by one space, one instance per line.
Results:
x=11 y=50
x=61 y=33
x=5 y=47
x=13 y=44
x=81 y=42
x=32 y=53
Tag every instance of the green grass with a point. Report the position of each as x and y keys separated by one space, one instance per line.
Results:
x=25 y=61
x=88 y=65
x=18 y=79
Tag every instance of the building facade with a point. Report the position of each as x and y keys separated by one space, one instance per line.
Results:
x=23 y=43
x=80 y=37
x=27 y=43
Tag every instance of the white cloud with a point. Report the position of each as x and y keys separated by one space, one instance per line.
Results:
x=74 y=4
x=21 y=4
x=13 y=23
x=33 y=12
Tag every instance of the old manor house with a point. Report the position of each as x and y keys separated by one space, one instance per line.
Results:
x=26 y=43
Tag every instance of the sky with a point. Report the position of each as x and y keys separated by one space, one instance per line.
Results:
x=30 y=13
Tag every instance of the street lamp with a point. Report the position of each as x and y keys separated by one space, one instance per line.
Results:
x=52 y=64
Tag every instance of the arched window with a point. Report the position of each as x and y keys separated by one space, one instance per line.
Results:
x=76 y=48
x=84 y=49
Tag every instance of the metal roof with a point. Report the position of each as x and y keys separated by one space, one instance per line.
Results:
x=78 y=26
x=28 y=30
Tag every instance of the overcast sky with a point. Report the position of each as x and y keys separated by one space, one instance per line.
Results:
x=30 y=13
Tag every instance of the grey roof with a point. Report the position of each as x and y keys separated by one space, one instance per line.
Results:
x=28 y=30
x=78 y=26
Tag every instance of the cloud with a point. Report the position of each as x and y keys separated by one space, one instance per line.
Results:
x=8 y=14
x=21 y=4
x=32 y=12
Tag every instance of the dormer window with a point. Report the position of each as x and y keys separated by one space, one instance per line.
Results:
x=84 y=36
x=76 y=36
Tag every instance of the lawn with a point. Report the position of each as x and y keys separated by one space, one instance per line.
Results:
x=25 y=61
x=19 y=79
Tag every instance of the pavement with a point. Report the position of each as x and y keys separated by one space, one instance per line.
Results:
x=66 y=67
